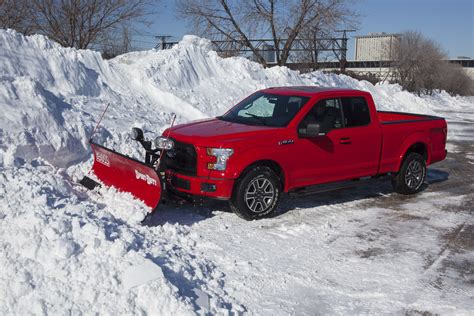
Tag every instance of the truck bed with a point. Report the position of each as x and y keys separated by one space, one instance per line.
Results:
x=386 y=117
x=398 y=131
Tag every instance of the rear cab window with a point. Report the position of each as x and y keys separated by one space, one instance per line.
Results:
x=339 y=112
x=356 y=111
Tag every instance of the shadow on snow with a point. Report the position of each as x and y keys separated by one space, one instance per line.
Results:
x=188 y=214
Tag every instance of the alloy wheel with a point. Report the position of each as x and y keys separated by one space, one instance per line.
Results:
x=259 y=195
x=414 y=174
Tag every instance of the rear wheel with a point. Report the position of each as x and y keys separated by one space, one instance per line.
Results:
x=411 y=175
x=256 y=193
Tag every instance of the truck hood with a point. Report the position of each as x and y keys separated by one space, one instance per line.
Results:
x=215 y=130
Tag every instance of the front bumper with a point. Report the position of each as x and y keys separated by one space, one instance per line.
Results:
x=200 y=186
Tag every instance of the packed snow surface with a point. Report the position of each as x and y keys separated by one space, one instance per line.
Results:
x=65 y=250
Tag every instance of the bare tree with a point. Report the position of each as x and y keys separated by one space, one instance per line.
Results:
x=416 y=61
x=16 y=14
x=113 y=44
x=79 y=23
x=422 y=67
x=455 y=80
x=284 y=21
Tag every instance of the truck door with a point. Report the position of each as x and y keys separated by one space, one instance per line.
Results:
x=362 y=138
x=321 y=158
x=347 y=148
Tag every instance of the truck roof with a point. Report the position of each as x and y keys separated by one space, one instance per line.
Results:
x=308 y=90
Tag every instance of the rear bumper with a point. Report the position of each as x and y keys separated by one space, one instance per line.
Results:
x=200 y=186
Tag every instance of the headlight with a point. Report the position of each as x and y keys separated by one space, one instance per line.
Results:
x=164 y=143
x=222 y=155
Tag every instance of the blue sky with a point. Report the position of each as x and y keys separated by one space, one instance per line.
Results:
x=449 y=22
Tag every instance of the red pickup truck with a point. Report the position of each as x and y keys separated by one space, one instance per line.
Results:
x=296 y=139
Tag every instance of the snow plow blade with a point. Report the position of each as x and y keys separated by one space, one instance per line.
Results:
x=126 y=175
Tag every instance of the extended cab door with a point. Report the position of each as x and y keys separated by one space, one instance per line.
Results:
x=320 y=158
x=363 y=136
x=347 y=146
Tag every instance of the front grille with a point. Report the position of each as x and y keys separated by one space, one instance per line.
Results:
x=181 y=159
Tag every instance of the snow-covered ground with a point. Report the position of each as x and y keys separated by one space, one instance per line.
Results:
x=64 y=250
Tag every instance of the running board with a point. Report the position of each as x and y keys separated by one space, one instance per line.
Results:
x=325 y=187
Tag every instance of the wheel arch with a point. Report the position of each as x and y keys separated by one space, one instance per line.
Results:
x=419 y=147
x=272 y=164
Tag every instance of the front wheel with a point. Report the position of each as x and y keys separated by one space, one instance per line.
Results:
x=411 y=175
x=256 y=194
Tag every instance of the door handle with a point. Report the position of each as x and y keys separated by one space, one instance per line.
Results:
x=345 y=140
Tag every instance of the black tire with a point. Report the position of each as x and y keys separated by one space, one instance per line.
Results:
x=256 y=193
x=411 y=176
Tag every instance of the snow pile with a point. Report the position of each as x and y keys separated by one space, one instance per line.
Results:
x=63 y=250
x=33 y=86
x=194 y=73
x=52 y=96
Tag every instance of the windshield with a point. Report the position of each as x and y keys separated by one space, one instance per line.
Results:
x=266 y=109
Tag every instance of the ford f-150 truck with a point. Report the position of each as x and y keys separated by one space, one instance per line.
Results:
x=293 y=139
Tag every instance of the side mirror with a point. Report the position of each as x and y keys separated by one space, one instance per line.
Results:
x=311 y=130
x=137 y=134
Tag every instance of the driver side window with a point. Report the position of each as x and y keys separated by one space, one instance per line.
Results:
x=326 y=113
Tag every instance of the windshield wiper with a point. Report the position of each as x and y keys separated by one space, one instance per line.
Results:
x=224 y=118
x=259 y=118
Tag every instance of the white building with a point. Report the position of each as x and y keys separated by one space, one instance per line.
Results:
x=375 y=46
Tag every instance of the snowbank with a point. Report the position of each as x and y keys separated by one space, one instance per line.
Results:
x=65 y=251
x=52 y=96
x=61 y=253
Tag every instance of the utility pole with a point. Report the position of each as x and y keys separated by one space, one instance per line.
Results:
x=343 y=56
x=316 y=52
x=162 y=42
